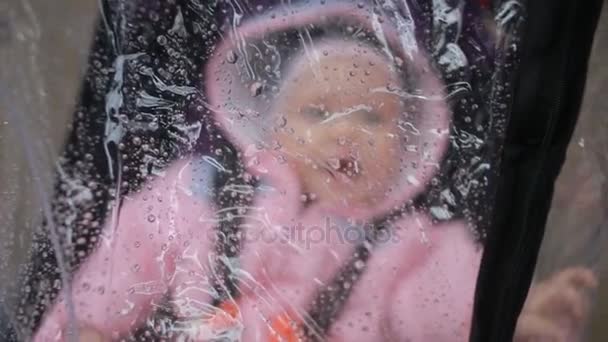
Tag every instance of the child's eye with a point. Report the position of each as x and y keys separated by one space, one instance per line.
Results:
x=372 y=117
x=315 y=113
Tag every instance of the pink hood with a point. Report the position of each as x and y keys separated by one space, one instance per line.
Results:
x=231 y=74
x=419 y=285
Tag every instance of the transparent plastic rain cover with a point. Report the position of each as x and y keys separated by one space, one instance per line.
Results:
x=247 y=170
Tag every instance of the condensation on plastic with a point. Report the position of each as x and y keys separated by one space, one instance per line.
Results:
x=236 y=170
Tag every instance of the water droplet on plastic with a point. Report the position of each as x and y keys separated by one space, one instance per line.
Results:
x=231 y=57
x=151 y=218
x=398 y=62
x=281 y=121
x=256 y=89
x=334 y=163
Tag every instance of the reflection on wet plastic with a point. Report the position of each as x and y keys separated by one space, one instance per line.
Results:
x=302 y=171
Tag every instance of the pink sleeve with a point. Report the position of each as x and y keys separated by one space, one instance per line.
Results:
x=134 y=264
x=417 y=287
x=434 y=302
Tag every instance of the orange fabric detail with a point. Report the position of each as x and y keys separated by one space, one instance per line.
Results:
x=226 y=315
x=283 y=329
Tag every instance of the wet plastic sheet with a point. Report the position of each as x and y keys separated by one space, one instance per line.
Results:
x=242 y=170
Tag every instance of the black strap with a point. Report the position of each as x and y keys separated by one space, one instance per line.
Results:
x=329 y=301
x=228 y=243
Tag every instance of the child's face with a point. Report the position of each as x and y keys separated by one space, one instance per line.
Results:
x=341 y=134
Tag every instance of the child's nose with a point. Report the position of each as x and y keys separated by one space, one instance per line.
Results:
x=345 y=133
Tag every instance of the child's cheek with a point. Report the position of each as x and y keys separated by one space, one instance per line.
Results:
x=385 y=149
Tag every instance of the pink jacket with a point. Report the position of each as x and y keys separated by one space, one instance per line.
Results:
x=418 y=284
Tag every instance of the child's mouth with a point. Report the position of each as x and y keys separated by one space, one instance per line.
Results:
x=344 y=169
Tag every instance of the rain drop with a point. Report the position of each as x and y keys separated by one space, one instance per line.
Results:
x=398 y=62
x=231 y=57
x=334 y=163
x=256 y=89
x=276 y=145
x=281 y=121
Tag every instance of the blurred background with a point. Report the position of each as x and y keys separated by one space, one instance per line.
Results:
x=578 y=221
x=43 y=51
